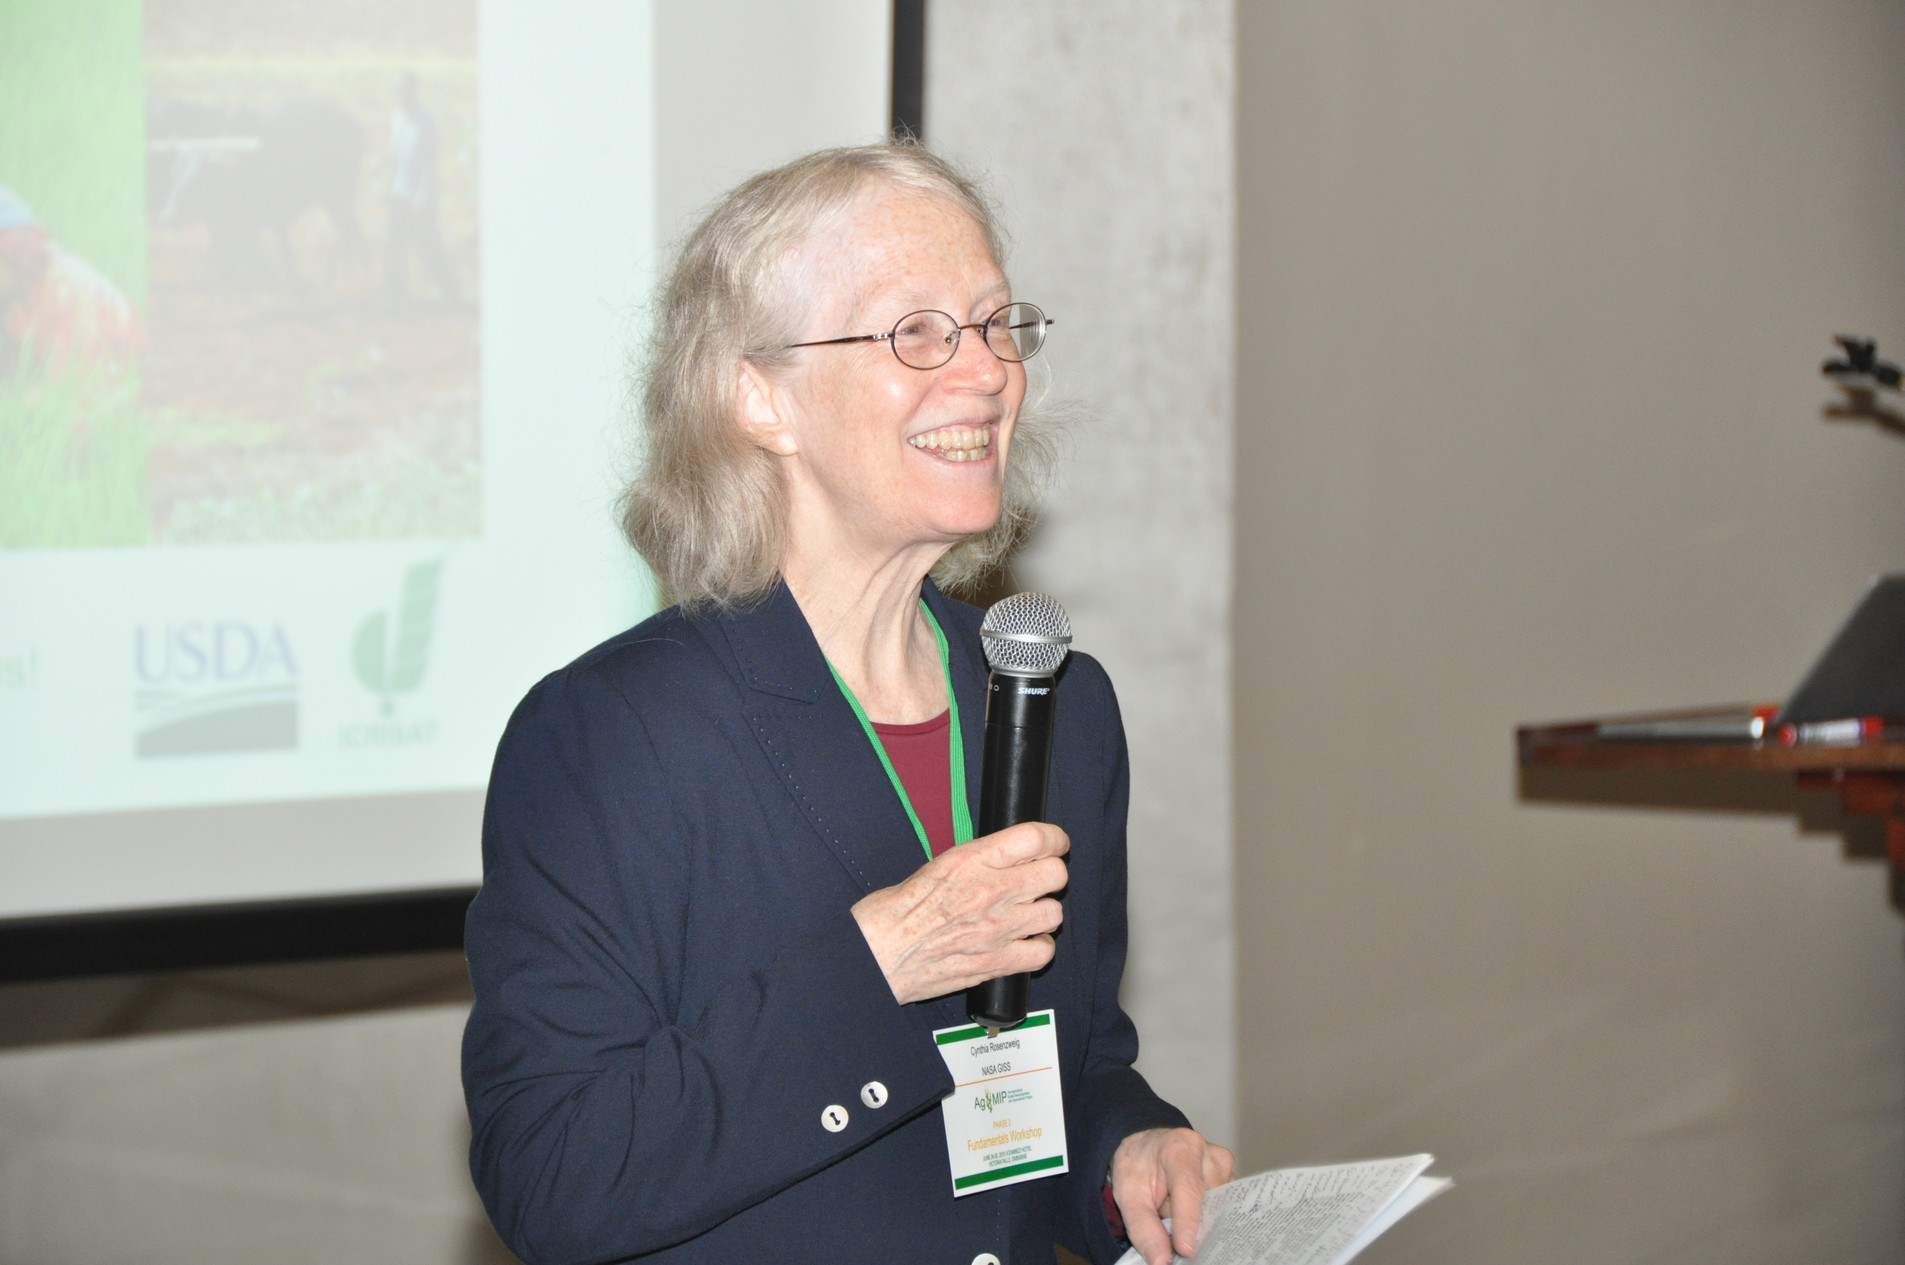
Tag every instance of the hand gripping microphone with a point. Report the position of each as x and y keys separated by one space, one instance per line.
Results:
x=1026 y=638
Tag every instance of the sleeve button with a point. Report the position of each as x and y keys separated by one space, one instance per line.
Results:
x=873 y=1094
x=834 y=1118
x=985 y=1258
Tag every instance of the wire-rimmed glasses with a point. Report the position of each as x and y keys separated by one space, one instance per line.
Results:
x=929 y=338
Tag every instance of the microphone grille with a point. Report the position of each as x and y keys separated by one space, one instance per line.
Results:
x=1026 y=634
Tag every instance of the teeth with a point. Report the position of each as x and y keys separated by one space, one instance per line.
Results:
x=956 y=443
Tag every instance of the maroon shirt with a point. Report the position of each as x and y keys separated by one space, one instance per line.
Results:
x=922 y=756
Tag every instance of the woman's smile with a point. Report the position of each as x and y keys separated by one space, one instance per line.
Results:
x=957 y=443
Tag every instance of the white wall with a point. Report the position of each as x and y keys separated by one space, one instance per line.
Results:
x=1105 y=129
x=1533 y=297
x=745 y=85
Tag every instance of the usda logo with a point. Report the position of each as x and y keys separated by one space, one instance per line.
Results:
x=389 y=655
x=214 y=686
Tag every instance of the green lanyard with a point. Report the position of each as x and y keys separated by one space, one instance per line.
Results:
x=961 y=813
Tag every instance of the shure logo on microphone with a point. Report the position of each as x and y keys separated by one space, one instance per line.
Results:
x=1042 y=689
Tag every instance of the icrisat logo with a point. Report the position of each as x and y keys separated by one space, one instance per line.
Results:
x=390 y=660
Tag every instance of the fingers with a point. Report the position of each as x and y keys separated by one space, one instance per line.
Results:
x=1018 y=845
x=1219 y=1166
x=1025 y=882
x=1146 y=1232
x=984 y=874
x=1192 y=1166
x=1027 y=930
x=973 y=913
x=1044 y=916
x=1014 y=957
x=1022 y=956
x=1184 y=1174
x=1163 y=1173
x=1142 y=1196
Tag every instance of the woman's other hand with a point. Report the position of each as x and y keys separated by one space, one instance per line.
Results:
x=973 y=913
x=1164 y=1173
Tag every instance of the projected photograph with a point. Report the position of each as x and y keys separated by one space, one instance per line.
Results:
x=239 y=276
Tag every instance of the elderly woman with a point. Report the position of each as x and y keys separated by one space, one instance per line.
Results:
x=722 y=912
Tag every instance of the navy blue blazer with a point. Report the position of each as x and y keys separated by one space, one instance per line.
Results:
x=670 y=987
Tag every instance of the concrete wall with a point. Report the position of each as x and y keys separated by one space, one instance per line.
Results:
x=1532 y=299
x=1105 y=131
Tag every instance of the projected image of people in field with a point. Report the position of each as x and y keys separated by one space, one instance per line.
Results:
x=239 y=273
x=69 y=342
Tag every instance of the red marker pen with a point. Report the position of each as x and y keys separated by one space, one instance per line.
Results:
x=1850 y=732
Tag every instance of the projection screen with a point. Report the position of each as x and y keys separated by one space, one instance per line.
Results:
x=314 y=326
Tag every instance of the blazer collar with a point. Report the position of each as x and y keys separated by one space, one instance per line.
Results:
x=776 y=649
x=817 y=748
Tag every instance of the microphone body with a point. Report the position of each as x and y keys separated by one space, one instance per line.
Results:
x=1026 y=638
x=1018 y=754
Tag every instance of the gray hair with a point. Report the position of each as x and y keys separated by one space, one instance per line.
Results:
x=708 y=509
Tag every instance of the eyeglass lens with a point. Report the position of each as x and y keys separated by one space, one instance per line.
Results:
x=927 y=340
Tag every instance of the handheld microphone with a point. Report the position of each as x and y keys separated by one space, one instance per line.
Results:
x=1026 y=638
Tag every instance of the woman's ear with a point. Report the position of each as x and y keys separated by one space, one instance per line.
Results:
x=763 y=416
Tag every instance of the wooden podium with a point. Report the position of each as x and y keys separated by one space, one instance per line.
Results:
x=1869 y=778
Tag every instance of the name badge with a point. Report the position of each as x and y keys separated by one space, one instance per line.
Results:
x=1005 y=1119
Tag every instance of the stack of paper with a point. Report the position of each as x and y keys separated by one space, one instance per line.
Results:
x=1309 y=1216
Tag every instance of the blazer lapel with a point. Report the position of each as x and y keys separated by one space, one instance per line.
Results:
x=816 y=747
